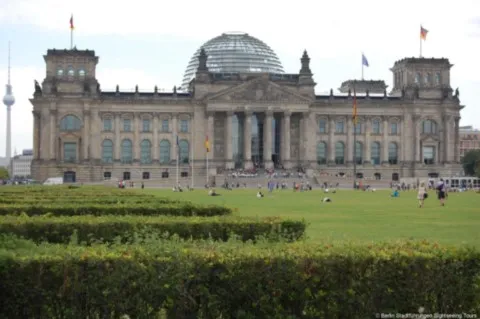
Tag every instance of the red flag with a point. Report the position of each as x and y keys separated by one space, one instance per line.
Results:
x=71 y=23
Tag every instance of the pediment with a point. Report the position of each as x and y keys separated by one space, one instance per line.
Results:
x=429 y=139
x=258 y=90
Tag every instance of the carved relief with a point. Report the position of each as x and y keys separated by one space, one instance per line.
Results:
x=258 y=91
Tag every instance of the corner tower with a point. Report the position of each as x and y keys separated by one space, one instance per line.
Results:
x=70 y=72
x=422 y=78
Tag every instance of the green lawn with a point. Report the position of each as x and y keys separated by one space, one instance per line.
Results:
x=359 y=216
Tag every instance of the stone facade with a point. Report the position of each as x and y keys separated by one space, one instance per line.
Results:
x=86 y=135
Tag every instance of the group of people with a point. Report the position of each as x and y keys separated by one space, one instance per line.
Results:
x=440 y=188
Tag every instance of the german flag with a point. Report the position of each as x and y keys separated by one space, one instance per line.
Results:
x=207 y=144
x=423 y=33
x=71 y=23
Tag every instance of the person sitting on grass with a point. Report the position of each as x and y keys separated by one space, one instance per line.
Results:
x=326 y=200
x=213 y=193
x=395 y=193
x=260 y=194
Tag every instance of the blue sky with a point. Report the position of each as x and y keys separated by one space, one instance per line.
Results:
x=148 y=43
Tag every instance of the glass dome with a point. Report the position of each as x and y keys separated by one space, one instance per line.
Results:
x=235 y=52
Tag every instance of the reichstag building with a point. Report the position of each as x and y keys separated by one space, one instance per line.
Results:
x=256 y=116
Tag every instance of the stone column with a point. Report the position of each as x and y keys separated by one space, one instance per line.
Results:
x=267 y=139
x=228 y=141
x=118 y=142
x=417 y=123
x=457 y=140
x=367 y=153
x=53 y=134
x=384 y=155
x=349 y=147
x=36 y=134
x=286 y=139
x=173 y=145
x=331 y=143
x=44 y=148
x=211 y=135
x=86 y=135
x=247 y=140
x=407 y=146
x=155 y=128
x=95 y=140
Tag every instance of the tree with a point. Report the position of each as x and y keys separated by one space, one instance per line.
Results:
x=3 y=173
x=470 y=162
x=477 y=169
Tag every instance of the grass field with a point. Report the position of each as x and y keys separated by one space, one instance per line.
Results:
x=360 y=217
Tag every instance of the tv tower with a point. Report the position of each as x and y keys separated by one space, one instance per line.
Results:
x=9 y=100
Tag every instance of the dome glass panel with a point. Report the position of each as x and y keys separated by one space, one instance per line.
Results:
x=235 y=52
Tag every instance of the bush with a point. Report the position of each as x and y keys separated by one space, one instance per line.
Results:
x=128 y=229
x=71 y=209
x=230 y=280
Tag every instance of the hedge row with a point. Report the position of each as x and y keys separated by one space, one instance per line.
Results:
x=128 y=229
x=147 y=209
x=86 y=199
x=236 y=281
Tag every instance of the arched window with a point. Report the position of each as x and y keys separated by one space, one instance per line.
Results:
x=358 y=152
x=375 y=153
x=429 y=127
x=339 y=153
x=70 y=123
x=81 y=74
x=184 y=151
x=145 y=152
x=71 y=73
x=127 y=152
x=437 y=78
x=164 y=152
x=322 y=153
x=393 y=153
x=59 y=73
x=107 y=151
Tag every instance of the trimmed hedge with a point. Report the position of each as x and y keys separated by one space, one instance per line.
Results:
x=127 y=229
x=146 y=209
x=85 y=199
x=235 y=280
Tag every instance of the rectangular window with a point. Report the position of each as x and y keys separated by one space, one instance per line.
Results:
x=339 y=127
x=146 y=125
x=165 y=125
x=107 y=125
x=126 y=176
x=69 y=152
x=127 y=125
x=428 y=155
x=358 y=128
x=322 y=126
x=184 y=126
x=107 y=175
x=376 y=127
x=393 y=128
x=146 y=175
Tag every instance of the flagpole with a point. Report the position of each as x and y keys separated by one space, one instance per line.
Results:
x=193 y=153
x=207 y=170
x=420 y=46
x=355 y=138
x=178 y=157
x=362 y=70
x=71 y=39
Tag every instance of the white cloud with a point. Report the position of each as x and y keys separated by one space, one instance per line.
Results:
x=334 y=33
